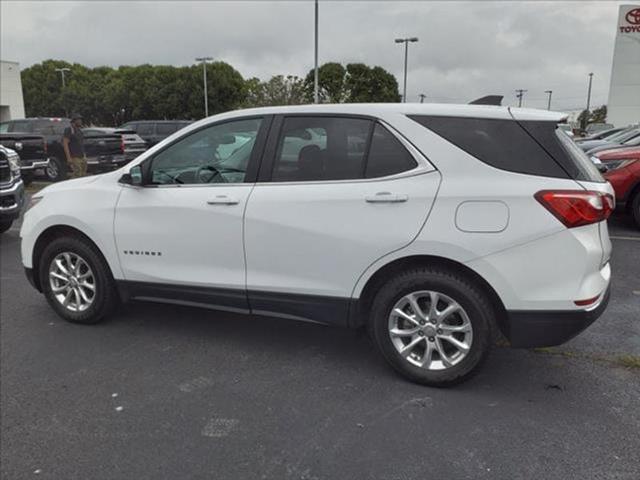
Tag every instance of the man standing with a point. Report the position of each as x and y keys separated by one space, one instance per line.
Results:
x=73 y=143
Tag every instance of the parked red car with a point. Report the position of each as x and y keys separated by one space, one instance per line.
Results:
x=623 y=172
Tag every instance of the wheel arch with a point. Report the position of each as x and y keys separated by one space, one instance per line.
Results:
x=362 y=305
x=47 y=236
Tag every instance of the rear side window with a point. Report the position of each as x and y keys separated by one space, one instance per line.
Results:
x=337 y=148
x=21 y=127
x=321 y=148
x=564 y=150
x=503 y=144
x=387 y=155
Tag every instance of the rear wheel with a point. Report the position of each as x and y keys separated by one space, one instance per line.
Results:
x=635 y=208
x=77 y=281
x=433 y=326
x=56 y=170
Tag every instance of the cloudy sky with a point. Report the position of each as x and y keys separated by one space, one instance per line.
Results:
x=466 y=49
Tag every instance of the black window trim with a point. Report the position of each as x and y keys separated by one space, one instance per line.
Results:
x=252 y=168
x=266 y=166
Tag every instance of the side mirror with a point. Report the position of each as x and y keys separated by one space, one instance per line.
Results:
x=133 y=177
x=602 y=168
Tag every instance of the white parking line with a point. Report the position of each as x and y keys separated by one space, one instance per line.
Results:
x=616 y=237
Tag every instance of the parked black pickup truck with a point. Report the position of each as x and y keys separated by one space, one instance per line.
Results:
x=103 y=151
x=11 y=188
x=32 y=150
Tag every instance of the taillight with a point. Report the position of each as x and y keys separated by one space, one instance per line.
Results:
x=575 y=208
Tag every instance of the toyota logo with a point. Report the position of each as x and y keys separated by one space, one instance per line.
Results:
x=633 y=16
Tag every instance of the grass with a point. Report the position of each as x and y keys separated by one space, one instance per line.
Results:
x=35 y=187
x=625 y=361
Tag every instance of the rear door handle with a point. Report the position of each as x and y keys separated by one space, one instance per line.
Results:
x=223 y=200
x=386 y=197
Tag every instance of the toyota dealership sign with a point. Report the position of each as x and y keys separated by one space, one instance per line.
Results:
x=631 y=21
x=624 y=91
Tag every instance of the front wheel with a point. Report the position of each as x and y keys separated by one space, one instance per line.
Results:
x=432 y=325
x=76 y=281
x=635 y=209
x=5 y=225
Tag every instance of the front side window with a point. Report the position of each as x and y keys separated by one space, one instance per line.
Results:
x=165 y=128
x=145 y=129
x=216 y=154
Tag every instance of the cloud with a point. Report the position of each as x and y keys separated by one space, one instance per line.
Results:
x=466 y=49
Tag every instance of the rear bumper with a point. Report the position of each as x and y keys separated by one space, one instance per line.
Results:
x=546 y=328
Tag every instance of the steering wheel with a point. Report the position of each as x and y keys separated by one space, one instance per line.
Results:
x=206 y=174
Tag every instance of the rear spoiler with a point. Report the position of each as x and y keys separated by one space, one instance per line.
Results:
x=488 y=100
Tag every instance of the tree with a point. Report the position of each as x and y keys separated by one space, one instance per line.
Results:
x=279 y=90
x=598 y=115
x=356 y=82
x=108 y=96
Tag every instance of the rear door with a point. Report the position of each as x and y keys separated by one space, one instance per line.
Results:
x=335 y=194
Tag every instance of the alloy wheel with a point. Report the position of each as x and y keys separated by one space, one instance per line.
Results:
x=72 y=282
x=430 y=330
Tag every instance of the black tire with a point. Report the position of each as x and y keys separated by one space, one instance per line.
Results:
x=105 y=298
x=27 y=179
x=56 y=171
x=5 y=225
x=472 y=299
x=635 y=208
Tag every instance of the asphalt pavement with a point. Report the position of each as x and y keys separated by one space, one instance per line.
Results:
x=164 y=392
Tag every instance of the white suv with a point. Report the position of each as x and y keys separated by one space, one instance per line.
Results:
x=432 y=225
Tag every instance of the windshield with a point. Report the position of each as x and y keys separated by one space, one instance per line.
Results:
x=623 y=135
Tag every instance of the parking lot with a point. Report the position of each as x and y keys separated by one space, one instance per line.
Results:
x=174 y=392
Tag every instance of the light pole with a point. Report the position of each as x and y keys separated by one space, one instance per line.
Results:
x=204 y=61
x=406 y=56
x=585 y=120
x=422 y=96
x=315 y=62
x=519 y=95
x=62 y=72
x=549 y=92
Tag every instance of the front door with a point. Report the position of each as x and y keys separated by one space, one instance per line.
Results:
x=340 y=194
x=180 y=235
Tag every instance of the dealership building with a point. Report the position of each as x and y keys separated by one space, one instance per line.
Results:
x=11 y=101
x=623 y=107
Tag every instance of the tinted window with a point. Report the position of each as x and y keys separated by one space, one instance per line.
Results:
x=217 y=154
x=387 y=156
x=4 y=127
x=503 y=144
x=563 y=150
x=145 y=129
x=321 y=148
x=20 y=126
x=166 y=128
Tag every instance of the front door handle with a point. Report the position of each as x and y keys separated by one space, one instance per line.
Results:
x=386 y=197
x=223 y=200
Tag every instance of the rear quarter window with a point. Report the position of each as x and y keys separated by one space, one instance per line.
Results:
x=503 y=144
